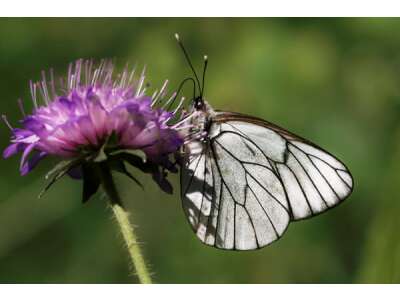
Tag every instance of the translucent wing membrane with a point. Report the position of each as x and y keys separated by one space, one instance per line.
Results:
x=252 y=177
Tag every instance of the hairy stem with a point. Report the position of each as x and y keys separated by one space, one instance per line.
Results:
x=122 y=217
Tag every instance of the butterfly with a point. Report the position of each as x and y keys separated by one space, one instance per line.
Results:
x=244 y=179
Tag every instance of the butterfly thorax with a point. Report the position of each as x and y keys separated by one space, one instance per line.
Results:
x=203 y=113
x=199 y=125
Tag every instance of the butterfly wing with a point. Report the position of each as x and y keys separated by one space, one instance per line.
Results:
x=252 y=177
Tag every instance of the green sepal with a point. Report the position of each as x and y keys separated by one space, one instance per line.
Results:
x=135 y=161
x=91 y=181
x=119 y=166
x=138 y=153
x=58 y=168
x=59 y=171
x=108 y=184
x=113 y=140
x=100 y=155
x=107 y=147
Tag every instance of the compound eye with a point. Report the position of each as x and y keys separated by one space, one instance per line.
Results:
x=198 y=103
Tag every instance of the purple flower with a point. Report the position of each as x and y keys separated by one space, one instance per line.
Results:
x=94 y=116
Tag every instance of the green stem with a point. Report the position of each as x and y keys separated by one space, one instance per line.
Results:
x=126 y=228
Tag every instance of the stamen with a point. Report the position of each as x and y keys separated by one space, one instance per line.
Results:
x=71 y=82
x=52 y=83
x=88 y=71
x=175 y=111
x=131 y=76
x=40 y=88
x=179 y=105
x=78 y=68
x=44 y=88
x=33 y=93
x=154 y=96
x=63 y=86
x=143 y=92
x=124 y=77
x=4 y=117
x=183 y=120
x=190 y=126
x=69 y=76
x=115 y=83
x=97 y=72
x=169 y=100
x=141 y=80
x=21 y=107
x=108 y=71
x=158 y=97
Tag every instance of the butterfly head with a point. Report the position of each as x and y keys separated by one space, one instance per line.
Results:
x=198 y=103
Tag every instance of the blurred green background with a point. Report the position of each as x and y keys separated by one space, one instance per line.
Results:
x=334 y=81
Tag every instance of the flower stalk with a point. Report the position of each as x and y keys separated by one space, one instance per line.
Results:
x=122 y=217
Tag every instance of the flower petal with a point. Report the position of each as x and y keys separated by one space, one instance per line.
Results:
x=13 y=149
x=25 y=154
x=32 y=162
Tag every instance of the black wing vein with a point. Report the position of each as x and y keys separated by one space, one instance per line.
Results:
x=309 y=177
x=246 y=172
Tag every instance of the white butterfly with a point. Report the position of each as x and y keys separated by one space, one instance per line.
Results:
x=245 y=179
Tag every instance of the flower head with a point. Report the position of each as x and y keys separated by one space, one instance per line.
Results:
x=93 y=116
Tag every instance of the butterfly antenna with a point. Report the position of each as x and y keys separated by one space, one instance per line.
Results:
x=187 y=58
x=180 y=89
x=204 y=76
